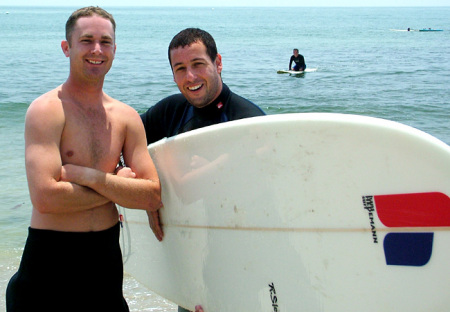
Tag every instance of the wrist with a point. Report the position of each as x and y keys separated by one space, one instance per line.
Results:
x=92 y=177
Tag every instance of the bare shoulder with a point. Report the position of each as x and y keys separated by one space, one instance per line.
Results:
x=127 y=113
x=44 y=123
x=46 y=107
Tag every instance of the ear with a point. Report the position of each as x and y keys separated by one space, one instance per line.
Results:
x=65 y=48
x=219 y=63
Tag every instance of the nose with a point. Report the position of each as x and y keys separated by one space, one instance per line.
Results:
x=97 y=49
x=190 y=74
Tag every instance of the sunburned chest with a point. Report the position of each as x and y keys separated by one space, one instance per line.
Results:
x=92 y=138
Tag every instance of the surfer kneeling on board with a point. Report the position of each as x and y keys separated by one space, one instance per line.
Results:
x=299 y=61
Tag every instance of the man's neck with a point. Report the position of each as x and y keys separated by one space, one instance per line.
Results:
x=84 y=92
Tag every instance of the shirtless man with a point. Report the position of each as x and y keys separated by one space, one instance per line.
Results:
x=74 y=136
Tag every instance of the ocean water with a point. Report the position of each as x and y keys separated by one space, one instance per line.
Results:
x=363 y=66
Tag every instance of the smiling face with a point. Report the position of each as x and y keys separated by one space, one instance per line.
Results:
x=196 y=75
x=91 y=49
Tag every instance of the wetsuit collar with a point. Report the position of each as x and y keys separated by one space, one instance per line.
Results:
x=218 y=105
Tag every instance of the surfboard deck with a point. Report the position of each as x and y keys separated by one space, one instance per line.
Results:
x=294 y=72
x=299 y=212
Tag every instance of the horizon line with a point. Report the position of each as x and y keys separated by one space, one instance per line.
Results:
x=231 y=6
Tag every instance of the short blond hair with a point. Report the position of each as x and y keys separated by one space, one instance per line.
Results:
x=86 y=12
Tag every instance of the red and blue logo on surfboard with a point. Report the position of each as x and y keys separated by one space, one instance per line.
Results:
x=416 y=211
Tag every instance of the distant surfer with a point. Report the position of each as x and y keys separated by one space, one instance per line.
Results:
x=299 y=61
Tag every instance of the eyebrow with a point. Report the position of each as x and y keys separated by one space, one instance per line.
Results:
x=193 y=60
x=92 y=36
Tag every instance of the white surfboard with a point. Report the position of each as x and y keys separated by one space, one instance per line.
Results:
x=296 y=72
x=403 y=29
x=299 y=212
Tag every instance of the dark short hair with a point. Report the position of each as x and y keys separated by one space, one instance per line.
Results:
x=86 y=12
x=188 y=36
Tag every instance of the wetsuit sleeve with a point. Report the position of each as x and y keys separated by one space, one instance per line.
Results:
x=153 y=123
x=160 y=121
x=147 y=124
x=303 y=64
x=290 y=62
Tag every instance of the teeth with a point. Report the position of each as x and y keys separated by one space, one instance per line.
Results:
x=95 y=62
x=195 y=87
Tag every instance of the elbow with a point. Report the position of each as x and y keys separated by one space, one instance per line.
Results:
x=43 y=199
x=43 y=196
x=42 y=205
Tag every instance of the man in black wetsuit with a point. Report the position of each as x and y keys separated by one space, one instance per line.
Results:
x=299 y=61
x=204 y=100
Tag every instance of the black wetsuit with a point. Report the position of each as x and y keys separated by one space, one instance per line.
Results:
x=69 y=271
x=174 y=114
x=299 y=61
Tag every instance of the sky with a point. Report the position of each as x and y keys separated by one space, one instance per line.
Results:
x=219 y=3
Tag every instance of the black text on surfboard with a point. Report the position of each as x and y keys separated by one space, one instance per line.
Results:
x=273 y=297
x=370 y=207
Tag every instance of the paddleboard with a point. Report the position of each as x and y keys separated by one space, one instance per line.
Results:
x=429 y=29
x=296 y=72
x=425 y=29
x=299 y=212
